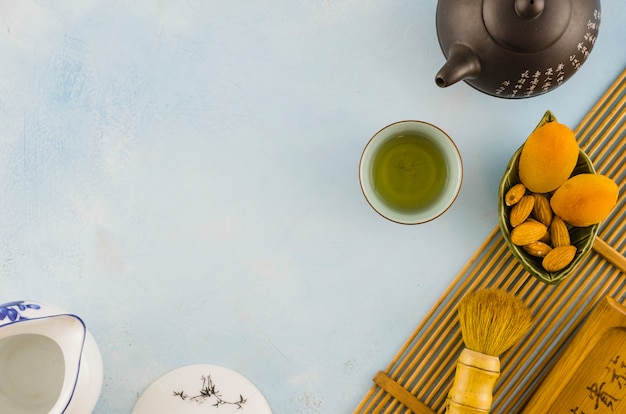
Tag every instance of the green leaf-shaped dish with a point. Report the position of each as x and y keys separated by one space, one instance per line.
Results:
x=581 y=237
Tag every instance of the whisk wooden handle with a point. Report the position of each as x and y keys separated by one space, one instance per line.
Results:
x=474 y=380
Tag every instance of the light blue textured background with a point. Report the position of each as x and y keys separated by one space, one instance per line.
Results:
x=183 y=176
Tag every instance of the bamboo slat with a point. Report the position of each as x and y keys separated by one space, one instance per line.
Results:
x=421 y=373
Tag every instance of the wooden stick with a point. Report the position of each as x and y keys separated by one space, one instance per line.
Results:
x=401 y=394
x=610 y=254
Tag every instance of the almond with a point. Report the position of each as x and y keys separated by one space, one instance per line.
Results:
x=538 y=248
x=546 y=237
x=528 y=232
x=558 y=258
x=559 y=235
x=542 y=210
x=521 y=210
x=514 y=194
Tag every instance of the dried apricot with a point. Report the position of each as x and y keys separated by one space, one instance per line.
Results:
x=585 y=199
x=548 y=157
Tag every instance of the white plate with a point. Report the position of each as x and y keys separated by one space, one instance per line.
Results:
x=202 y=389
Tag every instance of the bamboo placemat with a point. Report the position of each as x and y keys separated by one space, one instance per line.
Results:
x=424 y=367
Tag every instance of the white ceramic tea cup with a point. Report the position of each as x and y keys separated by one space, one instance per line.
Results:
x=450 y=176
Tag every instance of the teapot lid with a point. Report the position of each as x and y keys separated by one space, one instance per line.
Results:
x=526 y=25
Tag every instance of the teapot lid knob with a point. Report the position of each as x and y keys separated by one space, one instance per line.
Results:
x=527 y=9
x=526 y=25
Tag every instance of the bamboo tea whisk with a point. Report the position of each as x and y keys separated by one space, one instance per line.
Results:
x=492 y=321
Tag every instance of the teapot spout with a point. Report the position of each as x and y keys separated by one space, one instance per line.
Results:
x=462 y=64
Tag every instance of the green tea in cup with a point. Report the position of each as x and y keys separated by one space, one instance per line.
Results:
x=410 y=172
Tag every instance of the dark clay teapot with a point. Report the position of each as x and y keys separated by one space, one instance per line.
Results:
x=515 y=48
